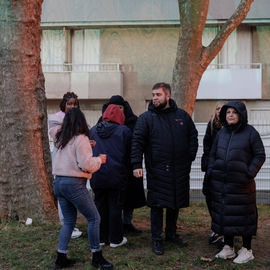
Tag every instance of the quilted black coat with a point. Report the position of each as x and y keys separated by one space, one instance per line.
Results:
x=168 y=138
x=113 y=140
x=208 y=140
x=235 y=159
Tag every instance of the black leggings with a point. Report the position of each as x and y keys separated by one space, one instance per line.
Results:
x=228 y=240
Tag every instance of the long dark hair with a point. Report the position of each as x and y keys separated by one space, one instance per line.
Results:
x=74 y=124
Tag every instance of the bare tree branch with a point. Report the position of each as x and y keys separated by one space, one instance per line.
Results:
x=209 y=53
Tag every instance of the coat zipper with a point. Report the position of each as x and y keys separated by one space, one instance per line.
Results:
x=227 y=153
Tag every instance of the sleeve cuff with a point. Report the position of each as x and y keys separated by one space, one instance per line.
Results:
x=137 y=166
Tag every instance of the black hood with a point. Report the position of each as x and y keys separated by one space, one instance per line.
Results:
x=173 y=107
x=105 y=129
x=130 y=117
x=240 y=107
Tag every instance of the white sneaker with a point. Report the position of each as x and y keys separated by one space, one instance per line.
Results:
x=244 y=256
x=240 y=250
x=76 y=233
x=124 y=241
x=226 y=253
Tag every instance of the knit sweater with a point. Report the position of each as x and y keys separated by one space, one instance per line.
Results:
x=76 y=158
x=55 y=119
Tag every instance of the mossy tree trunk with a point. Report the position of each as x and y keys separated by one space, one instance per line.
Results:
x=192 y=57
x=25 y=162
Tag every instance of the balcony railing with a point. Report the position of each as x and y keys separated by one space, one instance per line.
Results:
x=89 y=81
x=102 y=67
x=236 y=66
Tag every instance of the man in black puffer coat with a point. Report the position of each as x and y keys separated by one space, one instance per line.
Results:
x=167 y=136
x=235 y=159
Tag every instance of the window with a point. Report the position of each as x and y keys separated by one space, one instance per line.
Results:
x=53 y=50
x=237 y=49
x=85 y=50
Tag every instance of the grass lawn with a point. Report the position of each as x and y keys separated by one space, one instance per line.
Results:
x=34 y=247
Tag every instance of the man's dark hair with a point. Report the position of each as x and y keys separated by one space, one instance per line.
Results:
x=66 y=97
x=165 y=87
x=74 y=124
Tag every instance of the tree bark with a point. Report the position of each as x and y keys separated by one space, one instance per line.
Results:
x=25 y=161
x=192 y=58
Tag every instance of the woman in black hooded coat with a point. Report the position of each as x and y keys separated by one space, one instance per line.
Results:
x=135 y=197
x=235 y=159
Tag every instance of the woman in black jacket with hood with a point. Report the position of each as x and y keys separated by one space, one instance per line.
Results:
x=114 y=139
x=235 y=159
x=134 y=195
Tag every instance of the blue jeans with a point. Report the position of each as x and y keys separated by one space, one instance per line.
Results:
x=72 y=194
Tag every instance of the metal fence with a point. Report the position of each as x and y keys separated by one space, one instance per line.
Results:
x=262 y=179
x=196 y=181
x=235 y=66
x=196 y=175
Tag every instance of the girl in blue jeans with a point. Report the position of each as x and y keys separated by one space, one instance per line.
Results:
x=73 y=164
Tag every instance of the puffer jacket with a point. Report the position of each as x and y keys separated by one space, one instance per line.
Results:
x=113 y=140
x=208 y=139
x=235 y=159
x=168 y=138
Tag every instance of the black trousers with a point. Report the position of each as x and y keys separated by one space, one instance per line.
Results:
x=228 y=240
x=208 y=202
x=207 y=194
x=157 y=222
x=110 y=205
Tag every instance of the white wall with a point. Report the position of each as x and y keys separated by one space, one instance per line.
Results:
x=232 y=83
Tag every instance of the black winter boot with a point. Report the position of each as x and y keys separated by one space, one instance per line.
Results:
x=157 y=247
x=63 y=262
x=99 y=261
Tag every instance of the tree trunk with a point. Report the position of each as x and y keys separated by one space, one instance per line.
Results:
x=187 y=71
x=192 y=58
x=25 y=168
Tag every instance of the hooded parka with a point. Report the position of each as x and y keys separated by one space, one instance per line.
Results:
x=235 y=159
x=135 y=197
x=168 y=138
x=113 y=139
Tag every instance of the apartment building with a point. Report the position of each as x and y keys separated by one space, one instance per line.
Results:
x=99 y=48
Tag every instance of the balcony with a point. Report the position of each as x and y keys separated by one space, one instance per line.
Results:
x=89 y=81
x=231 y=81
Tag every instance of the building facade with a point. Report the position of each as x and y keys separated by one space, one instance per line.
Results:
x=106 y=47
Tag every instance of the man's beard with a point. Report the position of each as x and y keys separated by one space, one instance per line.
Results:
x=161 y=106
